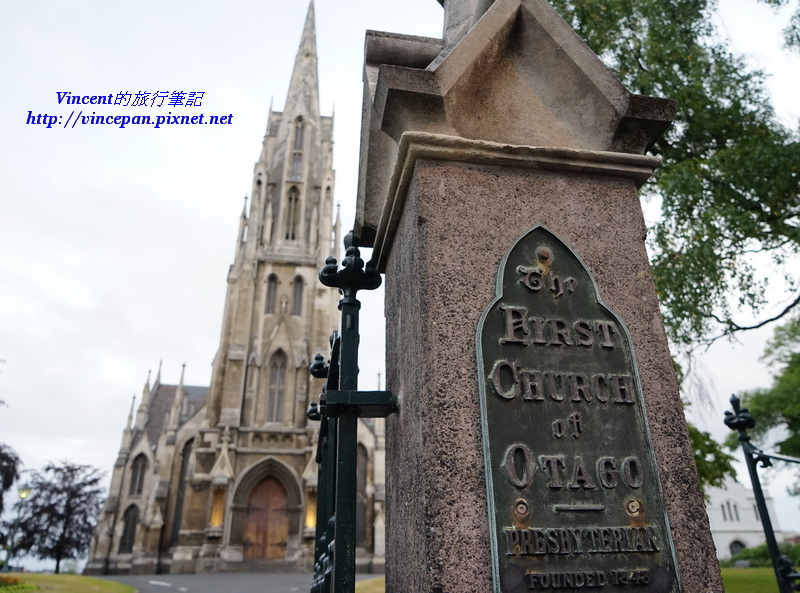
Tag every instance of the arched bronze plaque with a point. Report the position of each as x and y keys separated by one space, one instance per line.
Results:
x=575 y=500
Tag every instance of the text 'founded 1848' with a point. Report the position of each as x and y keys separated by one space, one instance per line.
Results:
x=574 y=496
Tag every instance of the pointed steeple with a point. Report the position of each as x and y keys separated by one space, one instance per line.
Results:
x=127 y=433
x=242 y=238
x=303 y=96
x=178 y=403
x=337 y=231
x=142 y=412
x=130 y=414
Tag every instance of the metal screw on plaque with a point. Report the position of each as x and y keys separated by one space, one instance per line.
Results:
x=633 y=506
x=544 y=254
x=521 y=507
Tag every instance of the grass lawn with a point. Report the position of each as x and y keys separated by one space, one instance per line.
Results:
x=749 y=580
x=72 y=583
x=371 y=586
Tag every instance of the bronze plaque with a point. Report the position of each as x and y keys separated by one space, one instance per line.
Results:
x=575 y=500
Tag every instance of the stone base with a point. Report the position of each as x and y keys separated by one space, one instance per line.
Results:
x=443 y=237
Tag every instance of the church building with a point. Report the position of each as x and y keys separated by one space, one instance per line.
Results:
x=224 y=477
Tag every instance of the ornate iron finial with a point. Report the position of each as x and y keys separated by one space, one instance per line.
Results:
x=313 y=412
x=353 y=276
x=318 y=368
x=740 y=419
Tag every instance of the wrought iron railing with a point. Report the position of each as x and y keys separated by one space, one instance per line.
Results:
x=741 y=420
x=340 y=406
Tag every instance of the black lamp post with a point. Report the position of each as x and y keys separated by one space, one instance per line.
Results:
x=23 y=492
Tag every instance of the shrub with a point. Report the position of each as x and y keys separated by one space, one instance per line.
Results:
x=759 y=555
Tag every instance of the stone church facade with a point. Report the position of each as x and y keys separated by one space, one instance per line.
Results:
x=224 y=477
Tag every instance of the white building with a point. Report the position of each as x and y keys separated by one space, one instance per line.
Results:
x=735 y=520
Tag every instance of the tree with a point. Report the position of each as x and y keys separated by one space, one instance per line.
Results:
x=777 y=409
x=58 y=519
x=713 y=463
x=729 y=184
x=791 y=34
x=9 y=473
x=9 y=470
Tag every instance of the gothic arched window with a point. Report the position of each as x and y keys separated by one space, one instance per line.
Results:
x=277 y=386
x=297 y=150
x=272 y=290
x=138 y=469
x=292 y=213
x=130 y=519
x=297 y=304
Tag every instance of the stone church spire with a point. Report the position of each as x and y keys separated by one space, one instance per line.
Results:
x=303 y=96
x=274 y=315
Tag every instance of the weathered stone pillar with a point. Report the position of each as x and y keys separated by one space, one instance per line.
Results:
x=519 y=126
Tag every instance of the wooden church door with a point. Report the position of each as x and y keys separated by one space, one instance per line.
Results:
x=266 y=529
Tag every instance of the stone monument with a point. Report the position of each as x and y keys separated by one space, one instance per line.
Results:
x=540 y=443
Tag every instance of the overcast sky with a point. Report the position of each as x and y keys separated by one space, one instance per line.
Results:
x=116 y=242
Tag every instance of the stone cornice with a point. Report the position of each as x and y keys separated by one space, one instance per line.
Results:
x=415 y=146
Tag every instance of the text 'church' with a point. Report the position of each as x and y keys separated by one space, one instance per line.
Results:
x=224 y=477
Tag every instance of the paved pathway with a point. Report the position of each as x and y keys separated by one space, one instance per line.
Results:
x=222 y=583
x=218 y=583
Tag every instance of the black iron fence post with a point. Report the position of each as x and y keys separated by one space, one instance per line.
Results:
x=741 y=420
x=340 y=407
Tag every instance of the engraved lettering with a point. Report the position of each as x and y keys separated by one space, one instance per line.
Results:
x=632 y=470
x=516 y=325
x=512 y=540
x=555 y=286
x=623 y=394
x=576 y=540
x=563 y=541
x=553 y=464
x=619 y=538
x=585 y=336
x=559 y=430
x=510 y=380
x=630 y=577
x=532 y=386
x=559 y=333
x=532 y=277
x=538 y=330
x=594 y=540
x=497 y=379
x=580 y=477
x=607 y=472
x=608 y=329
x=519 y=466
x=651 y=539
x=552 y=382
x=552 y=541
x=539 y=541
x=578 y=505
x=526 y=546
x=544 y=331
x=577 y=427
x=599 y=385
x=568 y=580
x=581 y=388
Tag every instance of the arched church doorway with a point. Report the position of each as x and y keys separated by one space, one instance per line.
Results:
x=736 y=547
x=266 y=527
